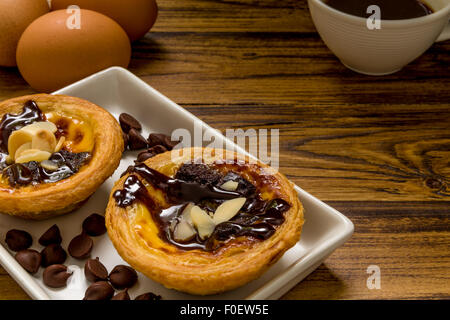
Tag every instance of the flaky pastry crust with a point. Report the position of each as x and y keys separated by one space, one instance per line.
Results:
x=47 y=200
x=197 y=271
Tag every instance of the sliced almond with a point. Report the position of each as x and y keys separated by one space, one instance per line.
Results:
x=230 y=185
x=33 y=155
x=41 y=125
x=44 y=140
x=22 y=148
x=60 y=143
x=49 y=165
x=228 y=210
x=16 y=139
x=184 y=231
x=202 y=222
x=186 y=214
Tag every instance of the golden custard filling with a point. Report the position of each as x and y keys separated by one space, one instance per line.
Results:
x=203 y=207
x=38 y=147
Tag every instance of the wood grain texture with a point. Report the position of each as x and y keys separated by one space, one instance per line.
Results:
x=375 y=148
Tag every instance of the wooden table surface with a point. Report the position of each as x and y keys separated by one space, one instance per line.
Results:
x=375 y=148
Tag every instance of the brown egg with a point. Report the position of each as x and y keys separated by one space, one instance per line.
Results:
x=53 y=53
x=15 y=16
x=135 y=16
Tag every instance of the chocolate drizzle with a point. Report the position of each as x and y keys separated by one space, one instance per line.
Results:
x=257 y=219
x=177 y=191
x=22 y=174
x=12 y=122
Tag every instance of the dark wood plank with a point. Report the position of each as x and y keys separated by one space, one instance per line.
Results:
x=409 y=241
x=233 y=15
x=353 y=152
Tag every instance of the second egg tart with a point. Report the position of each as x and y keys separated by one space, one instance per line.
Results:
x=203 y=221
x=55 y=151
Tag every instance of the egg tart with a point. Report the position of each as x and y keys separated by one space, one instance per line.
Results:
x=203 y=221
x=55 y=151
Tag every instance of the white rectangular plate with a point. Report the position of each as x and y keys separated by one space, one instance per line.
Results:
x=117 y=90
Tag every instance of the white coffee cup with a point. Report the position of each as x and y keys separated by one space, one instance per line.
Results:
x=380 y=51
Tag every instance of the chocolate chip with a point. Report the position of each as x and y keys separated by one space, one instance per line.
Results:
x=122 y=296
x=94 y=225
x=29 y=259
x=128 y=122
x=122 y=277
x=148 y=296
x=53 y=254
x=94 y=270
x=135 y=140
x=169 y=143
x=157 y=149
x=161 y=139
x=80 y=247
x=150 y=153
x=56 y=275
x=18 y=239
x=52 y=235
x=144 y=156
x=156 y=138
x=100 y=290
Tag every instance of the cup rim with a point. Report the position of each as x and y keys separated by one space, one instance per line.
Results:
x=390 y=23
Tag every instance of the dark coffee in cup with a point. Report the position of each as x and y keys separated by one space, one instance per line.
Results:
x=389 y=9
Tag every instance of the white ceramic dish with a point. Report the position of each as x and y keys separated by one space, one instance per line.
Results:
x=117 y=90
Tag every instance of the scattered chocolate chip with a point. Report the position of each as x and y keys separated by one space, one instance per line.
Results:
x=144 y=156
x=122 y=296
x=135 y=140
x=52 y=235
x=169 y=143
x=29 y=259
x=157 y=149
x=53 y=254
x=156 y=138
x=56 y=275
x=80 y=247
x=161 y=139
x=95 y=271
x=128 y=122
x=150 y=153
x=94 y=225
x=148 y=296
x=122 y=277
x=100 y=290
x=18 y=240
